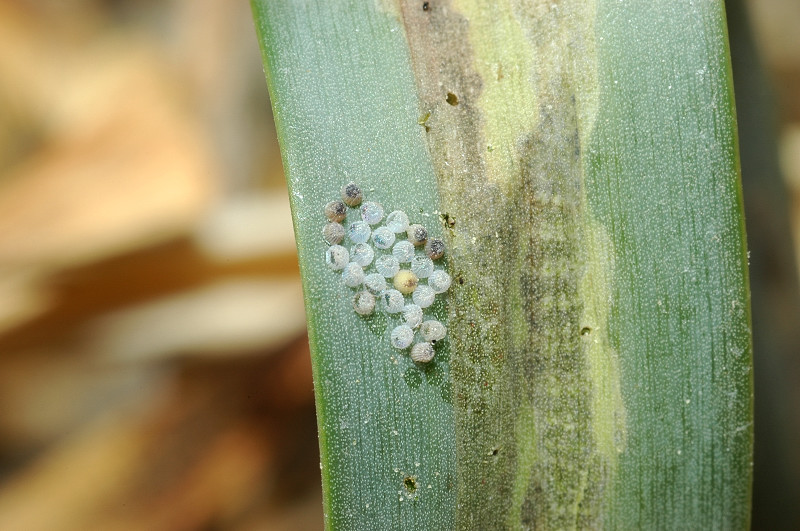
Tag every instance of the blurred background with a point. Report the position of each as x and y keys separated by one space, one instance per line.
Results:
x=154 y=369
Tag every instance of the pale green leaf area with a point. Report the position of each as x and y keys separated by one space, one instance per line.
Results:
x=580 y=160
x=663 y=178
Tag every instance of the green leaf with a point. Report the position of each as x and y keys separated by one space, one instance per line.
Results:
x=580 y=160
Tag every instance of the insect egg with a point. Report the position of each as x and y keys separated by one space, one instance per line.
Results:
x=432 y=331
x=337 y=257
x=388 y=284
x=402 y=337
x=335 y=210
x=387 y=265
x=434 y=248
x=412 y=315
x=351 y=194
x=403 y=251
x=392 y=300
x=417 y=234
x=375 y=282
x=422 y=266
x=423 y=296
x=364 y=303
x=439 y=281
x=383 y=237
x=359 y=232
x=333 y=232
x=422 y=352
x=372 y=212
x=362 y=254
x=405 y=281
x=397 y=221
x=352 y=275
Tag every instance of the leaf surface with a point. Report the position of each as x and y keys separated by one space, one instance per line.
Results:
x=580 y=160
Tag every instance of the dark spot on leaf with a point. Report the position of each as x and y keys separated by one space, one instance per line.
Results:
x=452 y=99
x=585 y=331
x=447 y=220
x=423 y=121
x=425 y=6
x=410 y=483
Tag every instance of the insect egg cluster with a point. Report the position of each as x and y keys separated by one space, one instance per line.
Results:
x=389 y=262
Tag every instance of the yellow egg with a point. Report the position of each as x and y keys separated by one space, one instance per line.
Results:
x=405 y=281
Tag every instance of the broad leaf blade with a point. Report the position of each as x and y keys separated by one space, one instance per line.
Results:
x=583 y=159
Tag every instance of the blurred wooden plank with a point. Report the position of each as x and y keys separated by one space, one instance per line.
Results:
x=228 y=317
x=138 y=178
x=207 y=449
x=46 y=394
x=77 y=296
x=22 y=298
x=245 y=227
x=217 y=487
x=94 y=468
